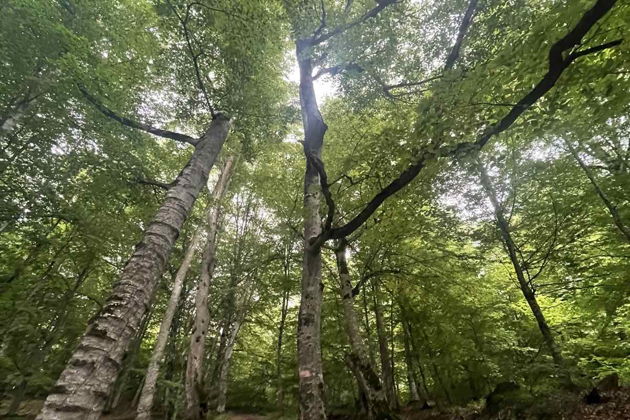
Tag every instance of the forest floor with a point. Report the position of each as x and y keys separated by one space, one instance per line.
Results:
x=614 y=405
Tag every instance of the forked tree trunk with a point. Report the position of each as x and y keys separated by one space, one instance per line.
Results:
x=524 y=285
x=311 y=379
x=195 y=405
x=386 y=363
x=370 y=385
x=86 y=382
x=147 y=394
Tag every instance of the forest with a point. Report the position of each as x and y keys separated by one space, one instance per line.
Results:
x=314 y=209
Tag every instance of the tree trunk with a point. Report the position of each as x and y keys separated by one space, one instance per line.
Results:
x=284 y=310
x=10 y=121
x=84 y=385
x=414 y=395
x=370 y=386
x=368 y=330
x=386 y=364
x=311 y=379
x=612 y=209
x=225 y=367
x=127 y=365
x=415 y=358
x=148 y=390
x=196 y=407
x=511 y=248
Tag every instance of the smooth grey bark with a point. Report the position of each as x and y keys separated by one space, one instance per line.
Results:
x=612 y=209
x=194 y=363
x=85 y=383
x=511 y=249
x=383 y=345
x=370 y=386
x=147 y=394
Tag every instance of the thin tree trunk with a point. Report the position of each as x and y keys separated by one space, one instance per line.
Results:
x=195 y=406
x=283 y=317
x=84 y=385
x=370 y=386
x=436 y=371
x=414 y=395
x=368 y=330
x=415 y=358
x=386 y=364
x=225 y=367
x=612 y=209
x=311 y=379
x=148 y=390
x=511 y=249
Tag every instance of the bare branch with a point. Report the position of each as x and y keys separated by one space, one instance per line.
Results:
x=183 y=138
x=463 y=29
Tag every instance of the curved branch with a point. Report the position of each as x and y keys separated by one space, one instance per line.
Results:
x=183 y=138
x=557 y=65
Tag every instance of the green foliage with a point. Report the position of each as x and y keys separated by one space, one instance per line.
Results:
x=431 y=258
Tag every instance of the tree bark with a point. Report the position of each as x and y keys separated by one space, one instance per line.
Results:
x=386 y=364
x=147 y=394
x=612 y=209
x=225 y=366
x=415 y=358
x=284 y=310
x=370 y=386
x=524 y=285
x=414 y=395
x=195 y=406
x=84 y=385
x=311 y=380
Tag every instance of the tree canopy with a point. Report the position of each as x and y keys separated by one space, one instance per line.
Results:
x=430 y=198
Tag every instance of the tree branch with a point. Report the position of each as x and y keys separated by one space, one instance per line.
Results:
x=357 y=288
x=183 y=138
x=154 y=183
x=463 y=29
x=323 y=181
x=319 y=38
x=194 y=56
x=335 y=70
x=557 y=64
